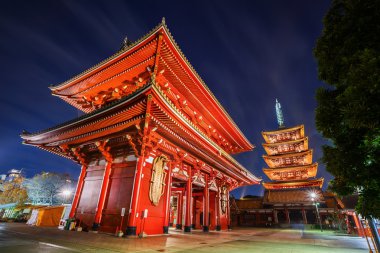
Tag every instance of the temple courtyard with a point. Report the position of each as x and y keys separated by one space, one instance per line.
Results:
x=16 y=237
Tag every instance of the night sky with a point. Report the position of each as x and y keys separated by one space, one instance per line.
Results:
x=247 y=52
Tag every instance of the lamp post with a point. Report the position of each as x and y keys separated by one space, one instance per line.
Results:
x=66 y=194
x=313 y=198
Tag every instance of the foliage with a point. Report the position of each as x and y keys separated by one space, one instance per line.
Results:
x=348 y=112
x=13 y=192
x=48 y=188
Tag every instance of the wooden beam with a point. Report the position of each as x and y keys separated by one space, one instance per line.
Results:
x=104 y=150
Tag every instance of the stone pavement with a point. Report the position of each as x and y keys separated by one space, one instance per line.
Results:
x=15 y=237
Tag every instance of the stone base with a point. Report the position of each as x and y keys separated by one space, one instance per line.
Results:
x=166 y=230
x=206 y=229
x=131 y=231
x=218 y=228
x=187 y=229
x=178 y=226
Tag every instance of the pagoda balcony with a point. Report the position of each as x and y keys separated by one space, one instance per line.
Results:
x=292 y=196
x=286 y=147
x=290 y=159
x=294 y=184
x=284 y=135
x=292 y=173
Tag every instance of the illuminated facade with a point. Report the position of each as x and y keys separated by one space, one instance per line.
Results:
x=154 y=144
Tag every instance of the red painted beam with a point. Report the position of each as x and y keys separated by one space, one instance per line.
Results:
x=102 y=197
x=167 y=200
x=189 y=190
x=131 y=229
x=78 y=191
x=217 y=207
x=206 y=206
x=179 y=210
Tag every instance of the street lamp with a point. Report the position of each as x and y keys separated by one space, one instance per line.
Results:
x=66 y=193
x=313 y=196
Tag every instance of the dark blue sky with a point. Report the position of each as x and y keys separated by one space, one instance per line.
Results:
x=248 y=53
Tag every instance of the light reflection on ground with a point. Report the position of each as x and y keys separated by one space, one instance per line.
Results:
x=22 y=238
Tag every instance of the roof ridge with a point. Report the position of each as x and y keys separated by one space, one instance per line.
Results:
x=119 y=52
x=204 y=83
x=163 y=25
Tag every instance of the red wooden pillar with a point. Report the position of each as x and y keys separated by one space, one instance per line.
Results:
x=214 y=214
x=228 y=210
x=304 y=216
x=102 y=197
x=275 y=216
x=194 y=212
x=189 y=194
x=287 y=215
x=133 y=212
x=179 y=210
x=217 y=207
x=358 y=225
x=206 y=206
x=78 y=191
x=167 y=201
x=258 y=218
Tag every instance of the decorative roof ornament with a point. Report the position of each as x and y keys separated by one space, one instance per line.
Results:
x=163 y=21
x=280 y=116
x=126 y=43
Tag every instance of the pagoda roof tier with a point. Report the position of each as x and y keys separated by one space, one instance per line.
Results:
x=286 y=147
x=125 y=115
x=294 y=184
x=293 y=196
x=123 y=111
x=156 y=56
x=289 y=159
x=284 y=134
x=292 y=173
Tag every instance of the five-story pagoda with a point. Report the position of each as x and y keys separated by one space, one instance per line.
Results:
x=292 y=171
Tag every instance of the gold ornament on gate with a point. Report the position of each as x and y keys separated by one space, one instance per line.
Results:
x=157 y=181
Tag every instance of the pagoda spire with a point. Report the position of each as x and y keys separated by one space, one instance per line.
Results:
x=280 y=116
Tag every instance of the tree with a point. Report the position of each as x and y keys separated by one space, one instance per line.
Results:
x=348 y=112
x=49 y=187
x=13 y=192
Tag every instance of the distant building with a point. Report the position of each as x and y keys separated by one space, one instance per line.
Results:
x=294 y=190
x=295 y=194
x=12 y=174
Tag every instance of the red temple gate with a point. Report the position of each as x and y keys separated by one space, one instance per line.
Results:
x=152 y=130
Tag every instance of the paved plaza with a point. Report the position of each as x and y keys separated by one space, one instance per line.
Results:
x=15 y=237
